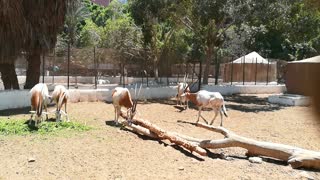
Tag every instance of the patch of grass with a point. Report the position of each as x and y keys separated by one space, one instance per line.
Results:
x=21 y=127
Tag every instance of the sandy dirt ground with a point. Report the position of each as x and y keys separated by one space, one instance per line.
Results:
x=108 y=152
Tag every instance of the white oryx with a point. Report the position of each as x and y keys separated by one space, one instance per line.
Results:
x=208 y=99
x=39 y=100
x=121 y=98
x=182 y=88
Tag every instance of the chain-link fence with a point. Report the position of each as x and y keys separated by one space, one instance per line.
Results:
x=100 y=68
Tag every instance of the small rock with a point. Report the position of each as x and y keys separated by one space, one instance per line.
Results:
x=181 y=168
x=255 y=160
x=31 y=159
x=229 y=158
x=304 y=175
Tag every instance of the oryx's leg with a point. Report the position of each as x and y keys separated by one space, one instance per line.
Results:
x=221 y=115
x=31 y=116
x=215 y=116
x=116 y=115
x=46 y=108
x=199 y=114
x=65 y=109
x=177 y=99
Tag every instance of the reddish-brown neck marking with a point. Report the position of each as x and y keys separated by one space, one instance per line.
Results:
x=193 y=98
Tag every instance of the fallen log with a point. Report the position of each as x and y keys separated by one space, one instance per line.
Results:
x=296 y=157
x=171 y=136
x=140 y=130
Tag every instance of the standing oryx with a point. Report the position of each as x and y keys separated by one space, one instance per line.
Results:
x=39 y=100
x=208 y=99
x=182 y=88
x=121 y=98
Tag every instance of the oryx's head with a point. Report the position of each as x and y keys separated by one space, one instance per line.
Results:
x=133 y=110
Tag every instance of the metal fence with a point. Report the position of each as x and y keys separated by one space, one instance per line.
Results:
x=98 y=68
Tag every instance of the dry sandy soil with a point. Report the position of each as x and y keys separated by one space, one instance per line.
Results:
x=108 y=152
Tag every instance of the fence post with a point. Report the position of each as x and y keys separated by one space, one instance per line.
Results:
x=200 y=75
x=255 y=77
x=194 y=69
x=231 y=70
x=147 y=80
x=123 y=77
x=167 y=72
x=120 y=83
x=53 y=65
x=43 y=71
x=244 y=62
x=268 y=72
x=178 y=75
x=95 y=68
x=142 y=74
x=68 y=64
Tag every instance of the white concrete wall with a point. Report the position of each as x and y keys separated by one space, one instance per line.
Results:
x=290 y=100
x=247 y=89
x=14 y=99
x=21 y=98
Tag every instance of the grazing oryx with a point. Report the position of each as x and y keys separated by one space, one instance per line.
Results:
x=207 y=99
x=39 y=100
x=121 y=98
x=182 y=88
x=60 y=96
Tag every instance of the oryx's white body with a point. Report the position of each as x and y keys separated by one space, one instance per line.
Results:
x=39 y=100
x=208 y=99
x=183 y=87
x=121 y=98
x=60 y=95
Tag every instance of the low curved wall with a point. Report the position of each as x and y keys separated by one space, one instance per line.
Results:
x=21 y=98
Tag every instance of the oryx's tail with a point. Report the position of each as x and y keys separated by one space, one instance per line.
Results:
x=40 y=105
x=224 y=110
x=61 y=98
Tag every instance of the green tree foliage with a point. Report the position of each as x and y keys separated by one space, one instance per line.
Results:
x=286 y=29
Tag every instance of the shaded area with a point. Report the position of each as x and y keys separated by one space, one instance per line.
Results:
x=247 y=99
x=250 y=103
x=17 y=111
x=9 y=112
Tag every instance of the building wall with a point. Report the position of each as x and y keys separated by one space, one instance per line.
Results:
x=302 y=78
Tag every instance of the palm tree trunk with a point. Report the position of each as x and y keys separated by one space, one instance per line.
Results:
x=9 y=76
x=33 y=71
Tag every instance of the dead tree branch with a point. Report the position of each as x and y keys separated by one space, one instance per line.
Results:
x=296 y=157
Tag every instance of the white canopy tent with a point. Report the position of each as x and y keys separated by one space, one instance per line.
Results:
x=252 y=57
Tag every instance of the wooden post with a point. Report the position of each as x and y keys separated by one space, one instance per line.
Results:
x=68 y=71
x=43 y=68
x=200 y=75
x=95 y=68
x=54 y=60
x=255 y=78
x=268 y=72
x=231 y=71
x=244 y=63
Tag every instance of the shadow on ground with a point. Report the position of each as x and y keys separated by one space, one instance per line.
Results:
x=18 y=111
x=250 y=104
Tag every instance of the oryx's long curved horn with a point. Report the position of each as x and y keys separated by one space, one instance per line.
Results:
x=136 y=100
x=135 y=92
